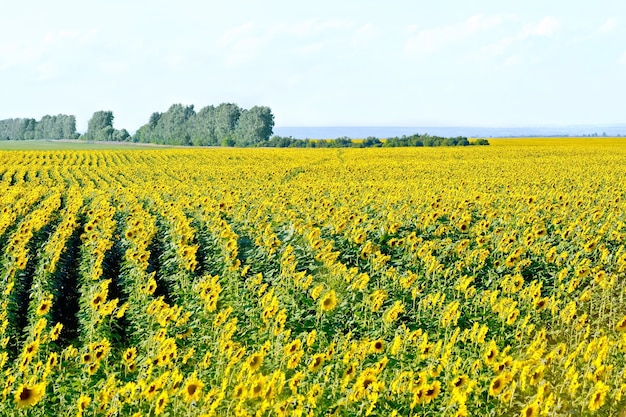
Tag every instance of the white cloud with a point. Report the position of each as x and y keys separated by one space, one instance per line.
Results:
x=38 y=50
x=314 y=27
x=608 y=25
x=430 y=40
x=364 y=35
x=245 y=43
x=513 y=60
x=232 y=35
x=546 y=27
x=622 y=58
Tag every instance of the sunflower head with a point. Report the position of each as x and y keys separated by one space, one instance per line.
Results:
x=497 y=385
x=28 y=395
x=531 y=410
x=254 y=361
x=44 y=307
x=192 y=390
x=377 y=346
x=329 y=301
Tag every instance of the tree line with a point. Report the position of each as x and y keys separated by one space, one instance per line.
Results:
x=372 y=142
x=61 y=126
x=224 y=125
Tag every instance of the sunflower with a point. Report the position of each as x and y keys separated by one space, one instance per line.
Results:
x=93 y=367
x=598 y=396
x=130 y=354
x=497 y=385
x=161 y=402
x=491 y=353
x=295 y=381
x=329 y=301
x=192 y=390
x=541 y=303
x=44 y=307
x=316 y=291
x=254 y=361
x=239 y=390
x=257 y=387
x=459 y=382
x=350 y=371
x=621 y=325
x=28 y=395
x=150 y=287
x=56 y=331
x=294 y=360
x=316 y=362
x=87 y=358
x=531 y=410
x=83 y=403
x=364 y=384
x=513 y=315
x=393 y=312
x=130 y=234
x=97 y=300
x=536 y=375
x=377 y=346
x=53 y=360
x=292 y=347
x=310 y=339
x=432 y=391
x=100 y=349
x=30 y=349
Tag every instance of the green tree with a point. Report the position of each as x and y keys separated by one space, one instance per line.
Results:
x=254 y=127
x=226 y=117
x=203 y=127
x=173 y=125
x=100 y=126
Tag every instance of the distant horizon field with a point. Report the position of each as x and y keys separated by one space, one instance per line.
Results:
x=71 y=144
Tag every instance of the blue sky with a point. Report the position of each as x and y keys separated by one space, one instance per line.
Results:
x=322 y=63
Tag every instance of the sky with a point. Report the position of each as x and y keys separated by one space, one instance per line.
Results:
x=323 y=63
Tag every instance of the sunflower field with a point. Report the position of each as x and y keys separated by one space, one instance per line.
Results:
x=473 y=281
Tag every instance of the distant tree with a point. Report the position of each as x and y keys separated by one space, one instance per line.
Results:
x=341 y=142
x=226 y=117
x=121 y=135
x=227 y=141
x=254 y=127
x=173 y=125
x=100 y=126
x=68 y=126
x=49 y=127
x=203 y=127
x=370 y=142
x=154 y=120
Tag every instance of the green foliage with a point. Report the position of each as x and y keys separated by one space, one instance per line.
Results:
x=425 y=140
x=100 y=126
x=480 y=142
x=369 y=142
x=100 y=129
x=254 y=126
x=225 y=125
x=49 y=127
